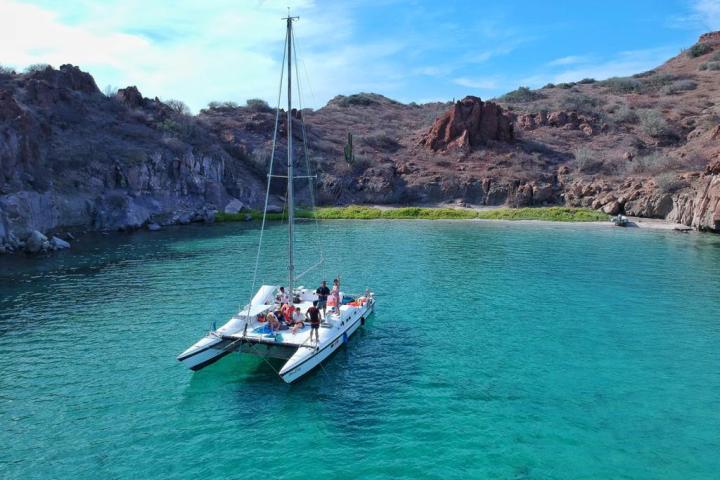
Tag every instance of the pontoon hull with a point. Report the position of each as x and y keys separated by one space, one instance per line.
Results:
x=204 y=353
x=305 y=361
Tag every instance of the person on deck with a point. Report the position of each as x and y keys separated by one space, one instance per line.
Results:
x=283 y=297
x=272 y=322
x=313 y=314
x=287 y=311
x=322 y=292
x=336 y=291
x=297 y=321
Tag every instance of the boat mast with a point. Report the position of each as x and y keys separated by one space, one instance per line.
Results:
x=290 y=192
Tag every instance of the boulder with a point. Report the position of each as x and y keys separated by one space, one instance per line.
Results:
x=612 y=208
x=713 y=168
x=274 y=209
x=131 y=97
x=469 y=123
x=153 y=227
x=58 y=243
x=36 y=242
x=234 y=206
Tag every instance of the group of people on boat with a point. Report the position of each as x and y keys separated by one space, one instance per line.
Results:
x=287 y=316
x=328 y=298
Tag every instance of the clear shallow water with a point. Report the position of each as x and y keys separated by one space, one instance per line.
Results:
x=538 y=352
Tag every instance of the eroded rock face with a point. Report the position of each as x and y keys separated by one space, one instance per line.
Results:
x=469 y=123
x=560 y=119
x=131 y=97
x=700 y=206
x=710 y=37
x=72 y=158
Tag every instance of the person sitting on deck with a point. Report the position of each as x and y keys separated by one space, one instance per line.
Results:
x=287 y=311
x=297 y=321
x=322 y=292
x=283 y=297
x=332 y=304
x=279 y=314
x=313 y=314
x=272 y=322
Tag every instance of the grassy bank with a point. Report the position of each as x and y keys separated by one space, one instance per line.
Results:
x=359 y=212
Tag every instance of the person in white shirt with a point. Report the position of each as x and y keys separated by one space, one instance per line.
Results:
x=283 y=297
x=297 y=319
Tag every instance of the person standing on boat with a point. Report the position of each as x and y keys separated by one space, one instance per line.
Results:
x=313 y=314
x=336 y=291
x=322 y=292
x=283 y=297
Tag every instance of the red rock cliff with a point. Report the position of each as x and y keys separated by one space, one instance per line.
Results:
x=469 y=123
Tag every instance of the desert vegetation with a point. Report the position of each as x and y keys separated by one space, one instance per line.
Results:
x=362 y=212
x=522 y=95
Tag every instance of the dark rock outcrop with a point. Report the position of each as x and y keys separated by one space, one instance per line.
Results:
x=469 y=123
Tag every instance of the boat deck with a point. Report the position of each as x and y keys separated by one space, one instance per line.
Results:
x=260 y=333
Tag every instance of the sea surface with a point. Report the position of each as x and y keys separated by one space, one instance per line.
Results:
x=498 y=350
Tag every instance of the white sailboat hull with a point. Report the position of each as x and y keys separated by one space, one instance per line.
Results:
x=203 y=353
x=306 y=359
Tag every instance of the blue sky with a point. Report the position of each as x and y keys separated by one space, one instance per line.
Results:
x=410 y=50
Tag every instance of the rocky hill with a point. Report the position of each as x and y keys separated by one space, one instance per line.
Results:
x=72 y=158
x=646 y=145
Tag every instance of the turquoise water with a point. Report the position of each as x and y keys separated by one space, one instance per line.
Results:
x=498 y=350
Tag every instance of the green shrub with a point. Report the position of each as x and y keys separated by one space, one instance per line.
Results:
x=622 y=85
x=361 y=212
x=553 y=214
x=382 y=142
x=178 y=106
x=699 y=49
x=653 y=123
x=258 y=105
x=220 y=105
x=625 y=114
x=644 y=74
x=359 y=99
x=678 y=86
x=36 y=67
x=522 y=95
x=587 y=161
x=670 y=183
x=566 y=85
x=658 y=81
x=710 y=66
x=579 y=102
x=653 y=162
x=549 y=85
x=586 y=81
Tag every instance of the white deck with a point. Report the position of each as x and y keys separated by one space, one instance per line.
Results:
x=328 y=328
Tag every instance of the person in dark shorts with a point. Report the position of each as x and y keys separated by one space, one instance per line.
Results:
x=322 y=292
x=313 y=314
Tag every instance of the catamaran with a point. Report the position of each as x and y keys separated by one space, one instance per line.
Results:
x=249 y=331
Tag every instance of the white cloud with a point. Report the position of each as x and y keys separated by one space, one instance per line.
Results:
x=707 y=13
x=569 y=60
x=480 y=83
x=227 y=50
x=623 y=64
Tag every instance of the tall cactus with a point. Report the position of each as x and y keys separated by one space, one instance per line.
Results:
x=348 y=150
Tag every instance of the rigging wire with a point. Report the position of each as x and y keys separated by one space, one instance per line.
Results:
x=269 y=179
x=311 y=187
